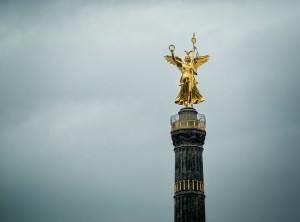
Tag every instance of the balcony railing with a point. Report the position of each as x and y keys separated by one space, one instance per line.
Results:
x=185 y=121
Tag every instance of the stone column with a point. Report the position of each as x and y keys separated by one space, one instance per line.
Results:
x=188 y=136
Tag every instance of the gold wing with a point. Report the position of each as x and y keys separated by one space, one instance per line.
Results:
x=177 y=62
x=198 y=61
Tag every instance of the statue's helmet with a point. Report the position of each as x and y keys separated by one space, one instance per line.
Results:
x=187 y=57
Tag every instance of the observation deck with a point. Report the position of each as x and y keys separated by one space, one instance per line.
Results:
x=188 y=118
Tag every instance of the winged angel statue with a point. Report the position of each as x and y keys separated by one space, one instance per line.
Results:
x=189 y=94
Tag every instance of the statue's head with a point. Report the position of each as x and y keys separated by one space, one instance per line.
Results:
x=187 y=57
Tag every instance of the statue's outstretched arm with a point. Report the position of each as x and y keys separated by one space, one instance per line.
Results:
x=174 y=60
x=177 y=60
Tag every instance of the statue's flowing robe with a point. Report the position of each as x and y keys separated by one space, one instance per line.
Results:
x=189 y=94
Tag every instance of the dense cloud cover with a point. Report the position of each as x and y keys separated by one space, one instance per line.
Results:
x=86 y=96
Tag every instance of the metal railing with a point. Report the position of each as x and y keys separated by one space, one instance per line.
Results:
x=187 y=120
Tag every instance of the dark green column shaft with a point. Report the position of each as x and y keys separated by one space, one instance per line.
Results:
x=188 y=142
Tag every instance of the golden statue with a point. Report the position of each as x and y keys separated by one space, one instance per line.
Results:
x=189 y=94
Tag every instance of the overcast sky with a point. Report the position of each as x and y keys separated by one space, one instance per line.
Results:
x=86 y=97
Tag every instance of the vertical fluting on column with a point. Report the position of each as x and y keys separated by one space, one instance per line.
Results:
x=188 y=136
